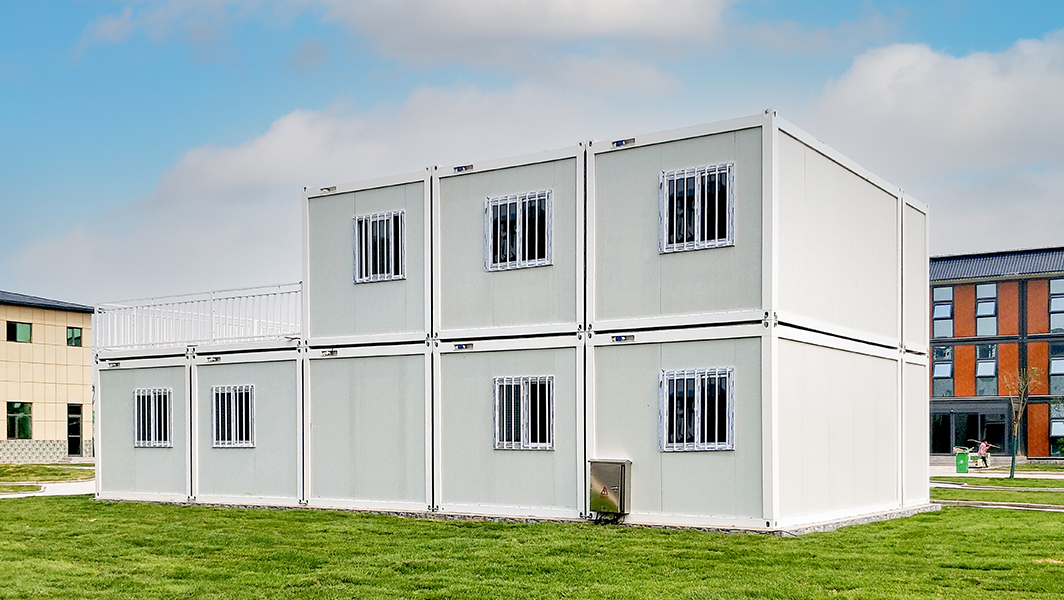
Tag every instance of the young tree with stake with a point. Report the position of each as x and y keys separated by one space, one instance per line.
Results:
x=1019 y=386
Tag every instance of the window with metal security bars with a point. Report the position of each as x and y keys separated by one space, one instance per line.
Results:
x=696 y=208
x=380 y=246
x=233 y=416
x=518 y=231
x=696 y=410
x=524 y=413
x=153 y=418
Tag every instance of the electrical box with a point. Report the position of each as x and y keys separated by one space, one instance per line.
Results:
x=611 y=485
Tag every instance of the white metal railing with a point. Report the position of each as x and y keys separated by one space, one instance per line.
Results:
x=226 y=316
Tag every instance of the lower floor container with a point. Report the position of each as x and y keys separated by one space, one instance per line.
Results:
x=733 y=426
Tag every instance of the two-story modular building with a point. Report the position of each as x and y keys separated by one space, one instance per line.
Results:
x=734 y=312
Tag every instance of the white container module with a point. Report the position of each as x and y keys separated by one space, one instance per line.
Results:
x=366 y=264
x=508 y=246
x=369 y=428
x=509 y=429
x=247 y=428
x=142 y=428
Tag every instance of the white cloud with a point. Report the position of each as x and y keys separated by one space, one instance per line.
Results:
x=920 y=112
x=229 y=216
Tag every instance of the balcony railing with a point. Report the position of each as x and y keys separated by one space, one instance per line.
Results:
x=220 y=317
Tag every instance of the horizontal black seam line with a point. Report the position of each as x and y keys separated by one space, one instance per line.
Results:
x=377 y=344
x=844 y=337
x=514 y=336
x=674 y=327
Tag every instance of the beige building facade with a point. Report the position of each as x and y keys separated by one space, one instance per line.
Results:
x=46 y=379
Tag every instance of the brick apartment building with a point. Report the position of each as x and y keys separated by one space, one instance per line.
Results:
x=993 y=315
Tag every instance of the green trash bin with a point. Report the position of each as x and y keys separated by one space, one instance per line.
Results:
x=962 y=461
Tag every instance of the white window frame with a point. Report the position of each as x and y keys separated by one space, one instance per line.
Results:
x=523 y=403
x=941 y=298
x=667 y=220
x=364 y=266
x=1056 y=296
x=491 y=232
x=153 y=418
x=943 y=370
x=225 y=433
x=664 y=406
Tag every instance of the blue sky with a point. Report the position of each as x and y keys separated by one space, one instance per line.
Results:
x=160 y=146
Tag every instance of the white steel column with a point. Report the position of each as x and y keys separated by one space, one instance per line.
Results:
x=770 y=303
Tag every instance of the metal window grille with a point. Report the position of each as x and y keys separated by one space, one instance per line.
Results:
x=518 y=231
x=696 y=410
x=233 y=416
x=524 y=413
x=153 y=418
x=696 y=208
x=380 y=246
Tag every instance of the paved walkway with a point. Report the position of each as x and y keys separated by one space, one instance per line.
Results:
x=60 y=488
x=951 y=471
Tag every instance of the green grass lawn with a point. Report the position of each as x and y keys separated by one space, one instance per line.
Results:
x=74 y=546
x=1004 y=482
x=10 y=489
x=998 y=496
x=1031 y=467
x=43 y=473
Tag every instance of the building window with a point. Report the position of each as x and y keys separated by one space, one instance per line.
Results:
x=19 y=421
x=695 y=410
x=696 y=208
x=942 y=312
x=73 y=336
x=380 y=246
x=19 y=332
x=518 y=231
x=942 y=371
x=986 y=309
x=1056 y=368
x=153 y=418
x=524 y=413
x=986 y=370
x=233 y=416
x=1056 y=306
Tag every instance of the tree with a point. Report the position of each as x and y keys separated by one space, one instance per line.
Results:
x=1019 y=386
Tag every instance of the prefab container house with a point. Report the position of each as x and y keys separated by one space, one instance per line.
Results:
x=732 y=314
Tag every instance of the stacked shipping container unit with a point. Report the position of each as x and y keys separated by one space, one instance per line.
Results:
x=736 y=309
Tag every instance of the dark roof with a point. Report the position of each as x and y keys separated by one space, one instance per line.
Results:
x=35 y=302
x=995 y=265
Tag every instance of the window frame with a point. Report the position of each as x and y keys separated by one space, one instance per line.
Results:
x=665 y=209
x=27 y=415
x=364 y=267
x=942 y=384
x=945 y=300
x=1056 y=315
x=232 y=429
x=75 y=338
x=13 y=332
x=986 y=357
x=522 y=200
x=150 y=428
x=524 y=387
x=986 y=294
x=664 y=405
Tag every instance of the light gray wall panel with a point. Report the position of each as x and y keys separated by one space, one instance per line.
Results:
x=268 y=470
x=838 y=440
x=916 y=286
x=472 y=297
x=632 y=279
x=720 y=483
x=339 y=307
x=916 y=454
x=124 y=468
x=473 y=471
x=368 y=428
x=838 y=243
